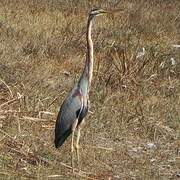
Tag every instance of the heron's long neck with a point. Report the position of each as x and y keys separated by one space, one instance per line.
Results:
x=88 y=69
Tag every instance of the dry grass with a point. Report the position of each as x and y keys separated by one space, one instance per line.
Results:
x=133 y=130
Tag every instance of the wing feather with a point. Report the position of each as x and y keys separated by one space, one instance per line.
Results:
x=66 y=117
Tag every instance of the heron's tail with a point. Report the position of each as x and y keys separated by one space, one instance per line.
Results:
x=59 y=140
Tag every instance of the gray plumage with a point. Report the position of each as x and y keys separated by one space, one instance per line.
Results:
x=72 y=108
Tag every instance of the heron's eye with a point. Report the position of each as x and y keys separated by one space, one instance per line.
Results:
x=93 y=12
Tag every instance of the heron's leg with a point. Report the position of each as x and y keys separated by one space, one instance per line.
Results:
x=77 y=142
x=77 y=145
x=72 y=143
x=72 y=151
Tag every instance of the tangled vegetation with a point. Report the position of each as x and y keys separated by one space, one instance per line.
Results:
x=132 y=131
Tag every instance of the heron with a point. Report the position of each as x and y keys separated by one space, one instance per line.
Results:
x=75 y=106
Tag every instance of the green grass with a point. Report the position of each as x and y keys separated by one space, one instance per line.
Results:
x=132 y=131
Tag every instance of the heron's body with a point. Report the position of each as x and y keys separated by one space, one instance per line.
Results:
x=75 y=106
x=72 y=108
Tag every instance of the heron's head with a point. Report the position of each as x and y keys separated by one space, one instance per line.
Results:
x=97 y=12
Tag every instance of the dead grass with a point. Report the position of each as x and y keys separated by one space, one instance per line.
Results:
x=132 y=131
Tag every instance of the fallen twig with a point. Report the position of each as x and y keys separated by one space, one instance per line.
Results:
x=35 y=119
x=10 y=92
x=99 y=147
x=11 y=101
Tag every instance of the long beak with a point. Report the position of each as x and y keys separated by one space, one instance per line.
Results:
x=115 y=11
x=104 y=11
x=110 y=11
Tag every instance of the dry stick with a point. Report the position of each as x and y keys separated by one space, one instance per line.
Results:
x=115 y=63
x=99 y=147
x=49 y=105
x=55 y=176
x=48 y=127
x=17 y=111
x=7 y=87
x=11 y=101
x=45 y=112
x=35 y=119
x=119 y=55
